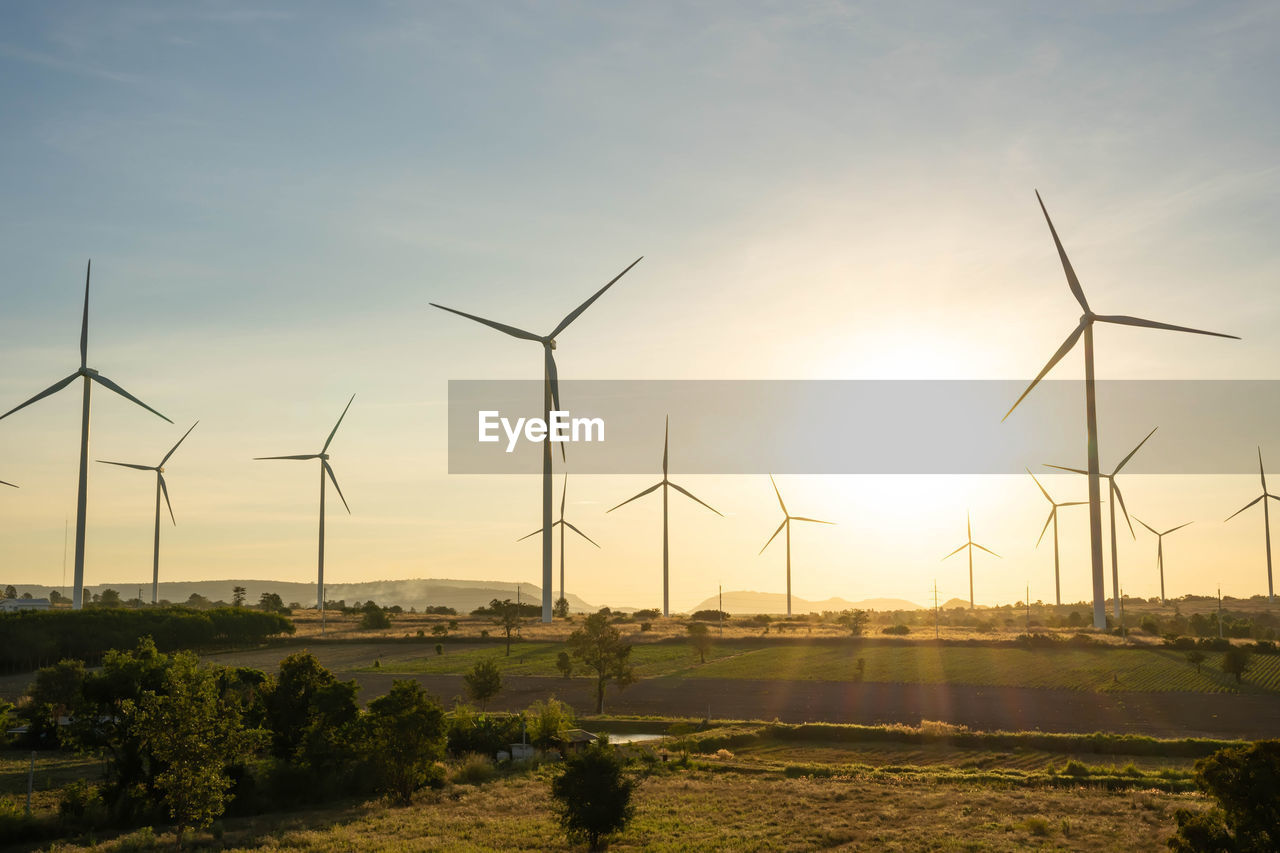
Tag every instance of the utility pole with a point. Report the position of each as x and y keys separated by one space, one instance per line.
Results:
x=66 y=530
x=1219 y=612
x=1028 y=609
x=1123 y=633
x=935 y=609
x=324 y=596
x=720 y=593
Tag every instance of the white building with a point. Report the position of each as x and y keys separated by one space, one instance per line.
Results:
x=12 y=605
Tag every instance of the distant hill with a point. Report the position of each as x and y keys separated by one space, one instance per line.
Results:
x=463 y=596
x=742 y=601
x=953 y=603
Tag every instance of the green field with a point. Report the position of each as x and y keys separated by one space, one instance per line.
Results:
x=1070 y=668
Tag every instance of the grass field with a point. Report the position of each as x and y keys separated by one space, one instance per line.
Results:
x=1069 y=668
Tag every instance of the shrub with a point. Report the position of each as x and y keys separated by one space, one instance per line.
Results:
x=896 y=630
x=373 y=617
x=473 y=769
x=483 y=681
x=593 y=795
x=1243 y=781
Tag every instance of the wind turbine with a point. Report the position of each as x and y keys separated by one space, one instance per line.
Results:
x=550 y=401
x=90 y=376
x=562 y=524
x=1116 y=498
x=787 y=518
x=1054 y=506
x=160 y=487
x=666 y=484
x=1266 y=521
x=1085 y=328
x=970 y=544
x=1160 y=550
x=325 y=469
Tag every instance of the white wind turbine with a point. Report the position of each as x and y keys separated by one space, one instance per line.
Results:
x=325 y=469
x=160 y=488
x=665 y=484
x=1085 y=329
x=970 y=544
x=1160 y=549
x=787 y=518
x=1266 y=521
x=82 y=494
x=1054 y=506
x=562 y=524
x=550 y=402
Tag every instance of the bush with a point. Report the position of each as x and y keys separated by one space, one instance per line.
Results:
x=896 y=630
x=373 y=617
x=483 y=681
x=593 y=795
x=1246 y=818
x=473 y=769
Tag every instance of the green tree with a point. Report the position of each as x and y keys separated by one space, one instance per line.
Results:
x=560 y=609
x=546 y=721
x=272 y=603
x=310 y=714
x=855 y=620
x=406 y=736
x=506 y=614
x=601 y=649
x=52 y=694
x=1195 y=657
x=109 y=598
x=700 y=639
x=237 y=596
x=593 y=795
x=483 y=681
x=10 y=591
x=1235 y=661
x=564 y=663
x=1243 y=781
x=373 y=617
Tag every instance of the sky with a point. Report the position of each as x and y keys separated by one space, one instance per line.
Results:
x=273 y=193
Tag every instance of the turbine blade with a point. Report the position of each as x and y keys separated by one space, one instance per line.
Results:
x=689 y=494
x=957 y=551
x=164 y=488
x=1124 y=320
x=814 y=520
x=84 y=322
x=1125 y=461
x=1262 y=473
x=1144 y=524
x=534 y=533
x=334 y=432
x=642 y=494
x=1065 y=468
x=988 y=550
x=1179 y=527
x=305 y=456
x=1072 y=281
x=779 y=494
x=574 y=314
x=7 y=483
x=333 y=479
x=175 y=447
x=774 y=536
x=1120 y=500
x=127 y=465
x=1042 y=490
x=501 y=327
x=107 y=383
x=1057 y=357
x=52 y=389
x=564 y=494
x=553 y=382
x=1243 y=508
x=666 y=436
x=1072 y=503
x=1046 y=526
x=583 y=535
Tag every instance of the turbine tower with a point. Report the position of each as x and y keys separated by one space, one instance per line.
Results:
x=1054 y=506
x=550 y=402
x=666 y=484
x=562 y=524
x=1160 y=550
x=325 y=469
x=1266 y=522
x=787 y=518
x=1085 y=328
x=160 y=488
x=90 y=376
x=1116 y=498
x=970 y=544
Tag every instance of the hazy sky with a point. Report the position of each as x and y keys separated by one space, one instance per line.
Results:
x=272 y=193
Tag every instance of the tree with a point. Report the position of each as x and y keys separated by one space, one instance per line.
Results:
x=1195 y=657
x=272 y=603
x=406 y=736
x=546 y=721
x=373 y=617
x=700 y=639
x=1235 y=661
x=855 y=620
x=560 y=609
x=53 y=694
x=237 y=596
x=310 y=714
x=506 y=613
x=593 y=795
x=600 y=647
x=1243 y=780
x=483 y=682
x=10 y=591
x=109 y=598
x=56 y=597
x=564 y=663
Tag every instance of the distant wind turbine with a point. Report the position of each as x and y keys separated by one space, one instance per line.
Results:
x=1116 y=498
x=1160 y=549
x=562 y=524
x=90 y=376
x=970 y=544
x=550 y=402
x=666 y=484
x=1266 y=521
x=325 y=469
x=787 y=518
x=1085 y=328
x=1054 y=506
x=160 y=488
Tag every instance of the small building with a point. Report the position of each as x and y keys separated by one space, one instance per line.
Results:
x=13 y=605
x=576 y=740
